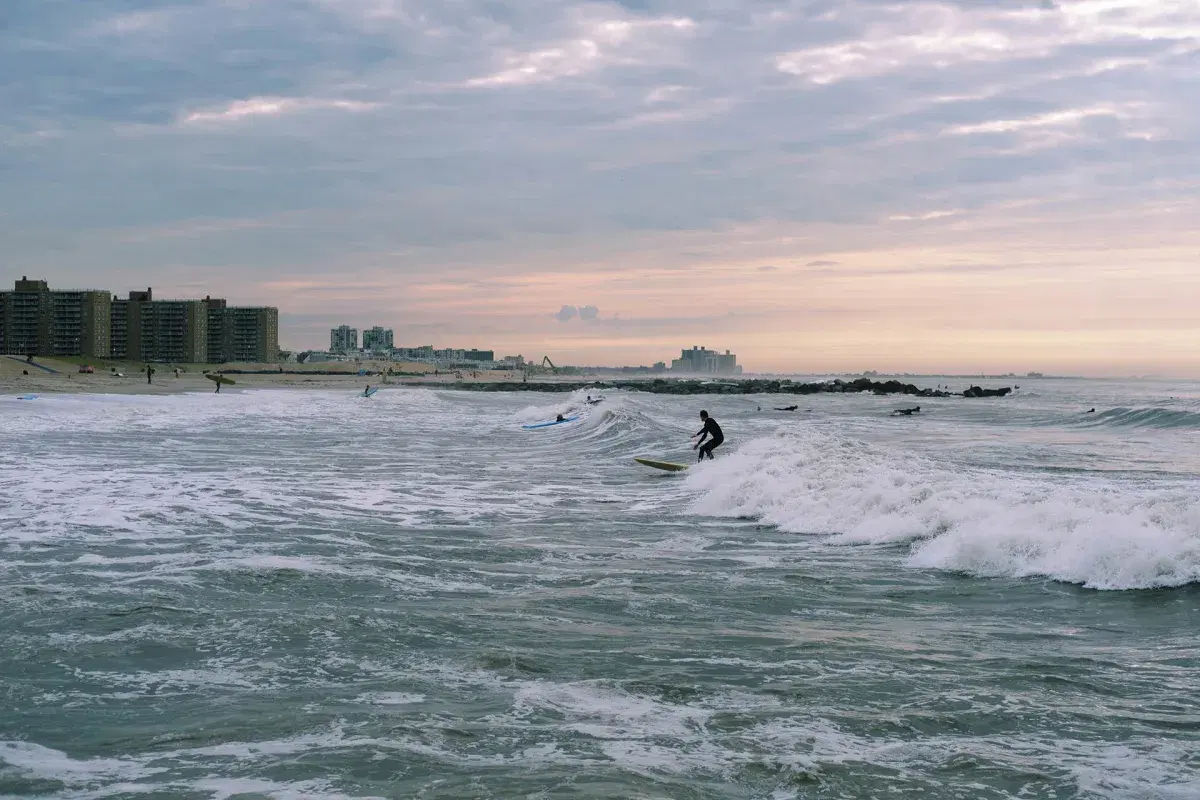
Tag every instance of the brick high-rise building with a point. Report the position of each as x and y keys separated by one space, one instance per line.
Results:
x=35 y=321
x=25 y=318
x=145 y=329
x=247 y=334
x=80 y=324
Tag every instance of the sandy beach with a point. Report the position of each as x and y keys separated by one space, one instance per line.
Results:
x=111 y=377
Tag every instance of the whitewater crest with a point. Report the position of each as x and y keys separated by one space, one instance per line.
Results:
x=1103 y=533
x=1155 y=418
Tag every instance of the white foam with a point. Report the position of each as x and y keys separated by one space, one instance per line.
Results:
x=390 y=698
x=1100 y=531
x=104 y=777
x=229 y=788
x=44 y=762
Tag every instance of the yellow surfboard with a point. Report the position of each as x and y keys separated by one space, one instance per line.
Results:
x=669 y=466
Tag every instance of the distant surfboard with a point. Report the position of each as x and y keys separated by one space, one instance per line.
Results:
x=669 y=466
x=28 y=397
x=220 y=379
x=371 y=392
x=548 y=424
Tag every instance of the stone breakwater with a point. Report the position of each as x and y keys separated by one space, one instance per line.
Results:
x=660 y=386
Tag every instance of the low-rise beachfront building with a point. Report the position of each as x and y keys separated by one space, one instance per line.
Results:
x=448 y=357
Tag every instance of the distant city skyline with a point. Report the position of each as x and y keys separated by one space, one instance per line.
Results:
x=955 y=186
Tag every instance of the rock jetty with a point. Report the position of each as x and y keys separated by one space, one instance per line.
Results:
x=749 y=386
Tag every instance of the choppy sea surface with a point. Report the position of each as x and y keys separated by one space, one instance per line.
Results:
x=294 y=594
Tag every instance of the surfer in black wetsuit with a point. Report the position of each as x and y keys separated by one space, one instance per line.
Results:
x=710 y=429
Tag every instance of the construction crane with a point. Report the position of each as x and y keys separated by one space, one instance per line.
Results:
x=530 y=367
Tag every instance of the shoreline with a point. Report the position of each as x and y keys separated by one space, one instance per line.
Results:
x=63 y=376
x=167 y=383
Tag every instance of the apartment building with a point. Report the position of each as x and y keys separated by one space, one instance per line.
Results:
x=145 y=329
x=35 y=321
x=701 y=359
x=378 y=340
x=79 y=324
x=343 y=340
x=251 y=335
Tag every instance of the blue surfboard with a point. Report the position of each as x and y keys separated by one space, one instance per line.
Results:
x=371 y=392
x=548 y=424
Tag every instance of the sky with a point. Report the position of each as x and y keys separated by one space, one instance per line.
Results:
x=818 y=185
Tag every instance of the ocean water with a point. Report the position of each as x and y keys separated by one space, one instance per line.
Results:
x=293 y=594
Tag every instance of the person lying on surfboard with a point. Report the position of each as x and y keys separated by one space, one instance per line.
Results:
x=711 y=428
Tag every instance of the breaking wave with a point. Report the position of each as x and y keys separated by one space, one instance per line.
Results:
x=1101 y=533
x=1160 y=418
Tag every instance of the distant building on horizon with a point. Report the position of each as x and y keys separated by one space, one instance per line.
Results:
x=702 y=360
x=378 y=340
x=343 y=340
x=449 y=356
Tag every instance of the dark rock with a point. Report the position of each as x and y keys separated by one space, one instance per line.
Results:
x=976 y=391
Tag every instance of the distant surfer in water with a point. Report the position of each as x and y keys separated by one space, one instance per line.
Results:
x=710 y=429
x=560 y=418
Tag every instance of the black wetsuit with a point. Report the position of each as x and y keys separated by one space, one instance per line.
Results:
x=712 y=430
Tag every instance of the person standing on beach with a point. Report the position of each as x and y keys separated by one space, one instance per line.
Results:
x=710 y=429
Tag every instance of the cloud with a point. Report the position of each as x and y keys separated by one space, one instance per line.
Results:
x=240 y=110
x=925 y=217
x=927 y=37
x=585 y=313
x=596 y=42
x=821 y=263
x=768 y=268
x=1060 y=118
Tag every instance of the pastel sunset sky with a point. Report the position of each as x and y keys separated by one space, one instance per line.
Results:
x=960 y=185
